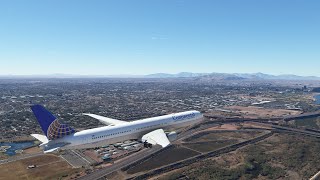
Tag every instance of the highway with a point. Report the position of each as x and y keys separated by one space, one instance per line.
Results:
x=136 y=157
x=121 y=163
x=191 y=160
x=304 y=115
x=297 y=130
x=142 y=155
x=76 y=159
x=185 y=162
x=283 y=128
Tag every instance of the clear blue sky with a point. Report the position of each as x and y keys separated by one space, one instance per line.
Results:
x=109 y=37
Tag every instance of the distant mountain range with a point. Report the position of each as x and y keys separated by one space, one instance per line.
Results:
x=209 y=76
x=234 y=76
x=178 y=75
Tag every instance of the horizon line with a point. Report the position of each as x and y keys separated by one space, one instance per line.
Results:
x=141 y=75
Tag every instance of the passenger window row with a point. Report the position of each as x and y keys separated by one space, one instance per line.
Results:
x=98 y=137
x=146 y=127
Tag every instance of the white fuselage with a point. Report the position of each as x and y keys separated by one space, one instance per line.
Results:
x=130 y=130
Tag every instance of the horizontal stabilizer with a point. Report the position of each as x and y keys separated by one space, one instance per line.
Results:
x=156 y=137
x=40 y=137
x=51 y=150
x=53 y=147
x=105 y=120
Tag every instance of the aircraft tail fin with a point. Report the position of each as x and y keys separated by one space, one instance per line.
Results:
x=50 y=125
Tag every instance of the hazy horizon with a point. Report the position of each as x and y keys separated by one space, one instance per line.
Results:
x=143 y=75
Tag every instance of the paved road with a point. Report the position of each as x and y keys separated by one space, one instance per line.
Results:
x=137 y=156
x=297 y=130
x=121 y=163
x=188 y=161
x=76 y=159
x=301 y=131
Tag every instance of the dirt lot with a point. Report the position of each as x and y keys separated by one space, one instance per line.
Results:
x=32 y=150
x=225 y=127
x=258 y=112
x=48 y=167
x=256 y=125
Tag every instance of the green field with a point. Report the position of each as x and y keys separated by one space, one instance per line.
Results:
x=313 y=122
x=209 y=145
x=165 y=157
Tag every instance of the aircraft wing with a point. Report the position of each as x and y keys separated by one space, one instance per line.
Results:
x=105 y=120
x=156 y=137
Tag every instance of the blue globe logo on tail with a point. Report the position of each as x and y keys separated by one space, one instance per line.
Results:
x=50 y=125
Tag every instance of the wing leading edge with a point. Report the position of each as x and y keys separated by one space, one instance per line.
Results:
x=105 y=120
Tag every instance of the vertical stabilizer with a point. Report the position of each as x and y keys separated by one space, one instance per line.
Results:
x=50 y=125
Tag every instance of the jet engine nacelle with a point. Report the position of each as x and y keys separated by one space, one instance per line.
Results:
x=172 y=135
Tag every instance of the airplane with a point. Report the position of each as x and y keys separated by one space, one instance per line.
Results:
x=150 y=131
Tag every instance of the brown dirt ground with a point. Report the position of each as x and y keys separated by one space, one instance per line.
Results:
x=167 y=175
x=224 y=127
x=258 y=112
x=255 y=125
x=231 y=160
x=116 y=175
x=32 y=150
x=48 y=167
x=93 y=155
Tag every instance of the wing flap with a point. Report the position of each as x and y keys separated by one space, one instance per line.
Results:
x=105 y=120
x=156 y=137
